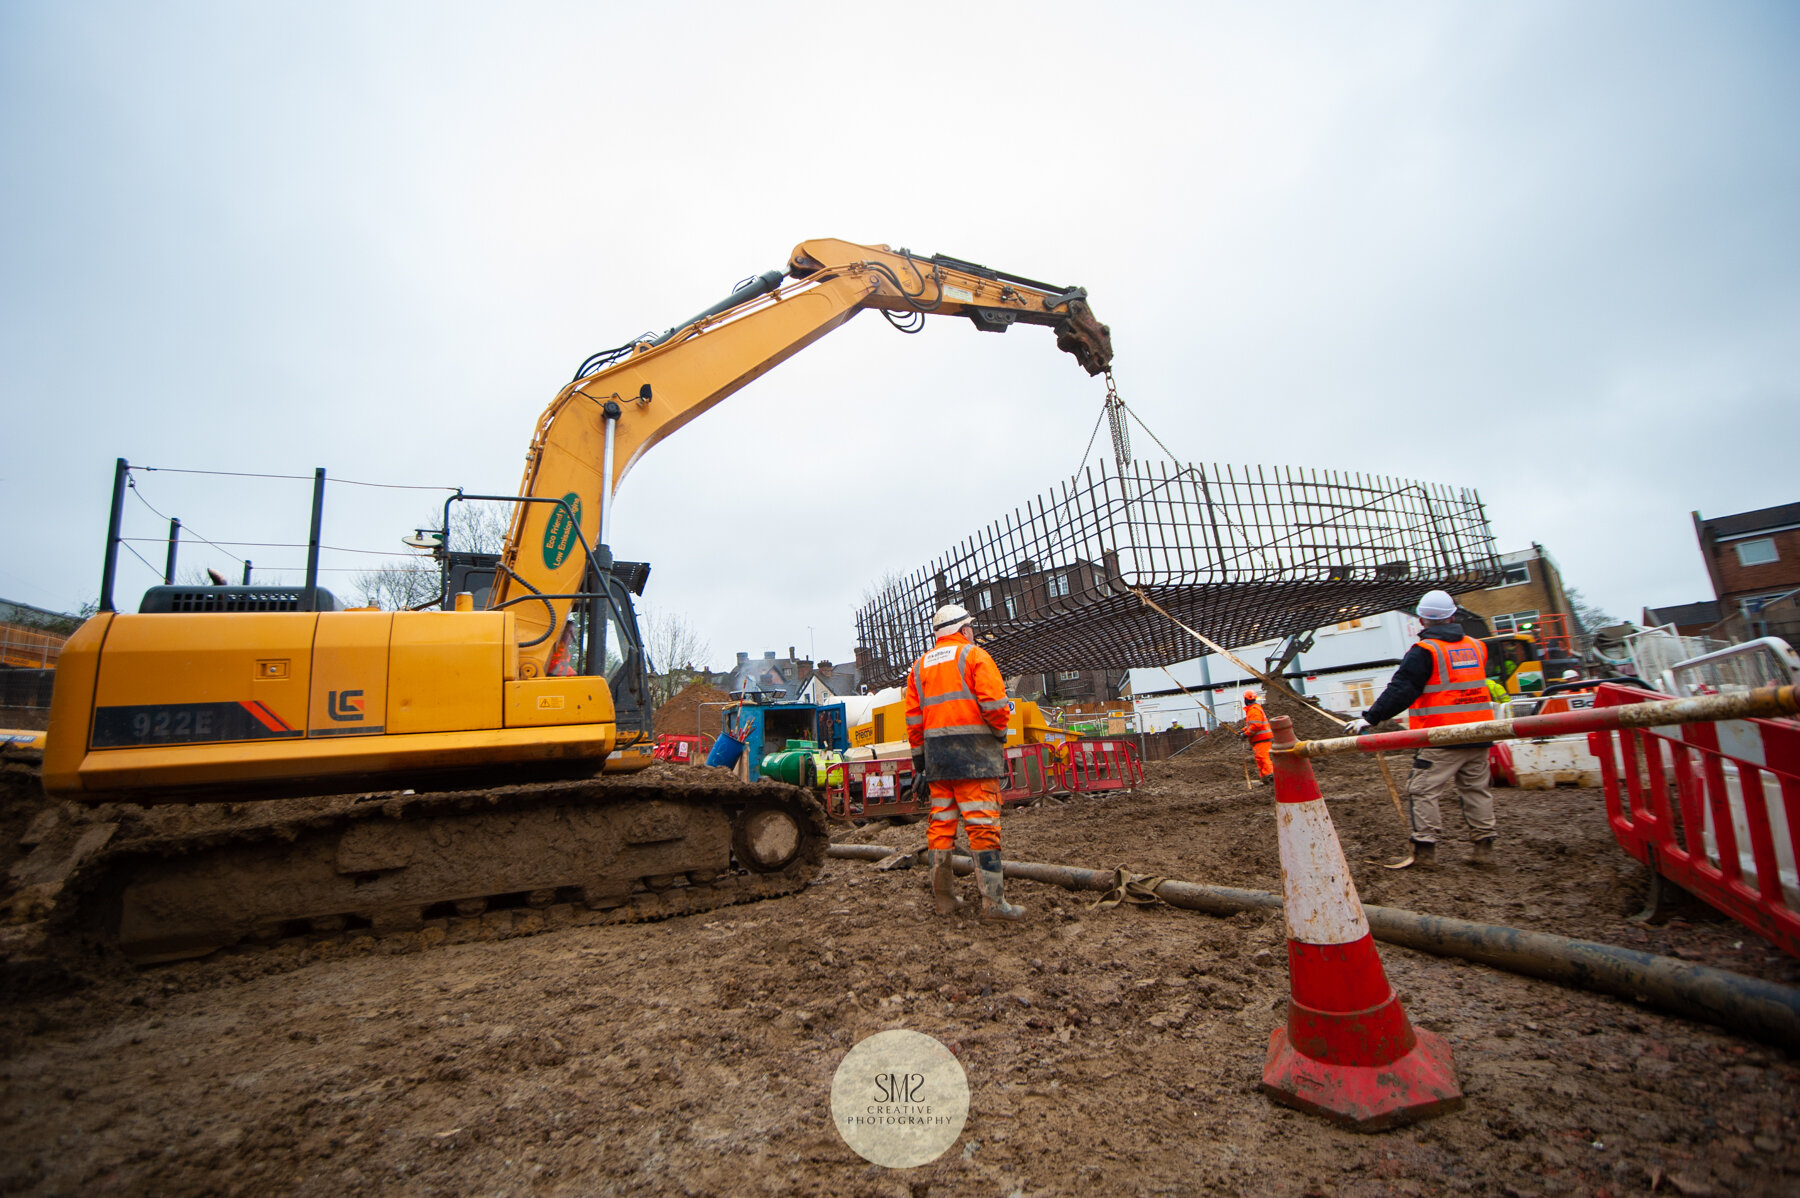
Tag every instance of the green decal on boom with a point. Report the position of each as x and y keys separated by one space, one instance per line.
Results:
x=559 y=534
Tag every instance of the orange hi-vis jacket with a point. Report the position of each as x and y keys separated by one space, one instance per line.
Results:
x=957 y=711
x=1457 y=692
x=1256 y=724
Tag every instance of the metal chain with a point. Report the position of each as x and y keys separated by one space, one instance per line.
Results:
x=1115 y=419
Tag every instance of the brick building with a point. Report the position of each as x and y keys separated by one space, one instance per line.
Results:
x=1753 y=560
x=1531 y=589
x=1069 y=686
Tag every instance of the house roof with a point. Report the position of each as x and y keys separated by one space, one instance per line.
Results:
x=1741 y=523
x=1704 y=612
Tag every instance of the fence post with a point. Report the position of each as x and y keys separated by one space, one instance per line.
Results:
x=174 y=542
x=121 y=472
x=310 y=600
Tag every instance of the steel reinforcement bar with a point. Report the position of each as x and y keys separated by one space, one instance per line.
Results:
x=1244 y=554
x=1764 y=703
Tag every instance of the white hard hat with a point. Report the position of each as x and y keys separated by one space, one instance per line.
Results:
x=952 y=617
x=1437 y=605
x=1569 y=674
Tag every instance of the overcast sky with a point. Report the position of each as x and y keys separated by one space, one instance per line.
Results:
x=1548 y=251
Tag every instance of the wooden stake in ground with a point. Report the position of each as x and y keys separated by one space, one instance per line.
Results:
x=1276 y=683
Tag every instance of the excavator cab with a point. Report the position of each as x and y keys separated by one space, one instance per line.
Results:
x=1513 y=661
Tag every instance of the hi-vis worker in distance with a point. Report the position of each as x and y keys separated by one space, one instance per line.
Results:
x=1443 y=680
x=956 y=717
x=1256 y=731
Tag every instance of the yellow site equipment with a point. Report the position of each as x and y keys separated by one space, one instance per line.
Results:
x=885 y=727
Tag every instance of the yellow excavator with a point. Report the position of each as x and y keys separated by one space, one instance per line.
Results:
x=484 y=751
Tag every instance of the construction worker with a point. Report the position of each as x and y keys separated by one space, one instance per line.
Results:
x=1443 y=680
x=956 y=717
x=1256 y=730
x=562 y=654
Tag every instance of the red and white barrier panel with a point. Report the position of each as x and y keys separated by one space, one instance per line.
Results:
x=1103 y=764
x=1713 y=807
x=871 y=790
x=1348 y=1051
x=1032 y=771
x=681 y=749
x=876 y=789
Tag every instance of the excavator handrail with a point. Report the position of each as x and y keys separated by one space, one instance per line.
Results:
x=574 y=525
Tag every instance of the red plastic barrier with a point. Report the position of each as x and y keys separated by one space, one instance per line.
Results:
x=1713 y=807
x=1033 y=771
x=683 y=750
x=873 y=789
x=1103 y=765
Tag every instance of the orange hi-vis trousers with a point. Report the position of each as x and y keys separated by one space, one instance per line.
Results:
x=978 y=799
x=1264 y=764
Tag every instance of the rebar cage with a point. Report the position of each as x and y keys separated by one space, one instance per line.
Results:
x=1243 y=555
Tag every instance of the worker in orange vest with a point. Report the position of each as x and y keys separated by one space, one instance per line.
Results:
x=1256 y=730
x=956 y=718
x=1443 y=680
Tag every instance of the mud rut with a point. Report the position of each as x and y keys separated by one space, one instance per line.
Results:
x=1108 y=1052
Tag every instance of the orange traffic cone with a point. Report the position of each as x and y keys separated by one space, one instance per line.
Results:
x=1348 y=1051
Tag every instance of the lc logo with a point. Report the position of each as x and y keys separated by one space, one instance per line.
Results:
x=344 y=706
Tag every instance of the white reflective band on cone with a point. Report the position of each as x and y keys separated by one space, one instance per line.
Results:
x=1320 y=898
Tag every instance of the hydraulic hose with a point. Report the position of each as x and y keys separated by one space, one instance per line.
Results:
x=1765 y=1011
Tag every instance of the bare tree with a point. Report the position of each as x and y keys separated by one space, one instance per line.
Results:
x=1589 y=618
x=676 y=650
x=412 y=582
x=400 y=584
x=881 y=586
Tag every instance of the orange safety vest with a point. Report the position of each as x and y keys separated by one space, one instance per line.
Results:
x=1457 y=691
x=1256 y=724
x=957 y=710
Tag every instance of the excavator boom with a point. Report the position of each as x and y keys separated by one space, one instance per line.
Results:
x=628 y=399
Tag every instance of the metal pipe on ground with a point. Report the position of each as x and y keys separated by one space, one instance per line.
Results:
x=1763 y=703
x=1750 y=1007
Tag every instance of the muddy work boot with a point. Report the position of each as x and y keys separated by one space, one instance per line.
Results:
x=943 y=882
x=1268 y=779
x=1424 y=853
x=1484 y=854
x=993 y=882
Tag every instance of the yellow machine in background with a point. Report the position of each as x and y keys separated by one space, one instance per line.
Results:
x=886 y=726
x=1513 y=662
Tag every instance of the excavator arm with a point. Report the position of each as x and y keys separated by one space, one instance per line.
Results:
x=626 y=400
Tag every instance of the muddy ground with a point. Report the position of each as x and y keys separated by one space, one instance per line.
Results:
x=1108 y=1052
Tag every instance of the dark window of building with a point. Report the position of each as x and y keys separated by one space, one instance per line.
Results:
x=1516 y=621
x=1515 y=575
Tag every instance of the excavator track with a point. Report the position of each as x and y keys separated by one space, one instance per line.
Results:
x=449 y=866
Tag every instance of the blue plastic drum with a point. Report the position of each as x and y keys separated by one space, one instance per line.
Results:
x=725 y=752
